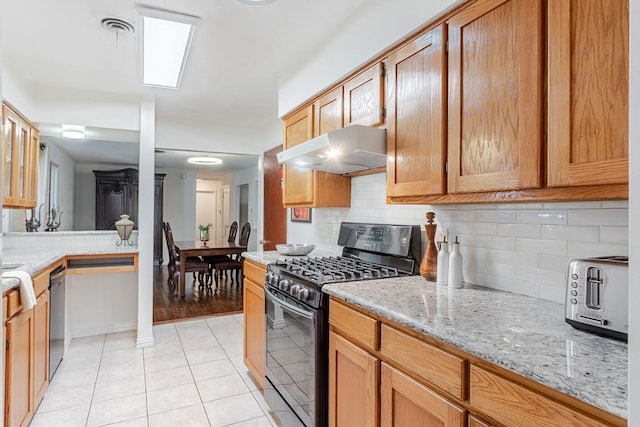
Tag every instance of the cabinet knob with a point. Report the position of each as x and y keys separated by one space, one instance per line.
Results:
x=262 y=242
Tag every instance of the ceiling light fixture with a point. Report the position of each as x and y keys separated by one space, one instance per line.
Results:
x=204 y=161
x=165 y=41
x=73 y=131
x=256 y=2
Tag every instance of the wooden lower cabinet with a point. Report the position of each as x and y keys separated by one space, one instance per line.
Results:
x=41 y=347
x=407 y=403
x=19 y=367
x=27 y=353
x=512 y=404
x=353 y=384
x=254 y=320
x=381 y=373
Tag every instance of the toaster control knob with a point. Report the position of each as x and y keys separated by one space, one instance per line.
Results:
x=574 y=301
x=574 y=284
x=574 y=293
x=574 y=276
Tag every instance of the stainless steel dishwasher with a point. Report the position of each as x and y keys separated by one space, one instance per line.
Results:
x=56 y=318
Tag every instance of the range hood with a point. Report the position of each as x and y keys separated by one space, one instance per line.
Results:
x=351 y=149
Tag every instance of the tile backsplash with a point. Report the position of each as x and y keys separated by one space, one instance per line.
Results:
x=518 y=247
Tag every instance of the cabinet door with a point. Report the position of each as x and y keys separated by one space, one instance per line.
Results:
x=353 y=384
x=10 y=138
x=254 y=328
x=298 y=183
x=41 y=347
x=111 y=202
x=19 y=406
x=328 y=112
x=363 y=98
x=21 y=166
x=495 y=96
x=588 y=96
x=407 y=403
x=32 y=174
x=416 y=105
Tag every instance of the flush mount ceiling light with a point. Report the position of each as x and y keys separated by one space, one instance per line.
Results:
x=73 y=131
x=165 y=41
x=204 y=161
x=256 y=2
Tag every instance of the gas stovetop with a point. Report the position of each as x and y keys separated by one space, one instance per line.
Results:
x=320 y=271
x=370 y=251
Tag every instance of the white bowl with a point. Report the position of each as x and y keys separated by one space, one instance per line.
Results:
x=295 y=248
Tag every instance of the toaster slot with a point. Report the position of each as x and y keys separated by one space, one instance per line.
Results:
x=594 y=288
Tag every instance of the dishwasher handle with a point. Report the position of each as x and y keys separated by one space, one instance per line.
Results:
x=57 y=275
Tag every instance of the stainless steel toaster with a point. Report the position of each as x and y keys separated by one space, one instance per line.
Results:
x=597 y=297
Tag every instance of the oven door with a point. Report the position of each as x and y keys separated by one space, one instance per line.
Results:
x=296 y=360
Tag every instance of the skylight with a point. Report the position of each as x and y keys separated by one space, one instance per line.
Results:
x=165 y=41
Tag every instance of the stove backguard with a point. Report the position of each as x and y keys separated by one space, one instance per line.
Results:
x=399 y=246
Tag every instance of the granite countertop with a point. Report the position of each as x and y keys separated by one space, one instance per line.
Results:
x=525 y=335
x=32 y=260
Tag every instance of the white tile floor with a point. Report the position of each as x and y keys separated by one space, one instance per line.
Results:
x=193 y=376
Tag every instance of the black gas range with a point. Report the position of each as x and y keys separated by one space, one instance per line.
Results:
x=297 y=312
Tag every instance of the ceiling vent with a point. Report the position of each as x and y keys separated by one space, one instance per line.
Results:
x=117 y=25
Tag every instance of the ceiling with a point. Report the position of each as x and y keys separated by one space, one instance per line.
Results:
x=239 y=53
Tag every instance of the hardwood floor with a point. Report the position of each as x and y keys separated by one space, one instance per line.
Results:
x=197 y=302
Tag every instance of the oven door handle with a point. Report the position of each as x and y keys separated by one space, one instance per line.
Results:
x=307 y=314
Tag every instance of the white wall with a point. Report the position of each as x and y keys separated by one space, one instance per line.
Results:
x=179 y=204
x=379 y=24
x=66 y=188
x=253 y=177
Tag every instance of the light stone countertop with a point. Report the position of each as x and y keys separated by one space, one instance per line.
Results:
x=32 y=260
x=525 y=335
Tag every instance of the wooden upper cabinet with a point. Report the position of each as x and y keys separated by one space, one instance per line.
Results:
x=328 y=112
x=495 y=96
x=588 y=94
x=364 y=96
x=298 y=183
x=20 y=148
x=416 y=116
x=304 y=187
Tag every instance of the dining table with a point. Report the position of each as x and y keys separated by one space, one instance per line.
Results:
x=196 y=248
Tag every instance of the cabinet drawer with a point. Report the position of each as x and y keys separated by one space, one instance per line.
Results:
x=40 y=283
x=514 y=405
x=254 y=272
x=13 y=303
x=354 y=325
x=437 y=367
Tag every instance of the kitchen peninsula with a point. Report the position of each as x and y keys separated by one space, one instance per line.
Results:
x=102 y=294
x=487 y=338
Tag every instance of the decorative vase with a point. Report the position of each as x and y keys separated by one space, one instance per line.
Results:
x=124 y=226
x=204 y=236
x=429 y=264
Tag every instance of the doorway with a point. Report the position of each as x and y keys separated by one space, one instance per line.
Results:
x=243 y=206
x=275 y=215
x=207 y=207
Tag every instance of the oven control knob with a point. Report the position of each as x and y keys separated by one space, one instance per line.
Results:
x=294 y=290
x=285 y=284
x=304 y=294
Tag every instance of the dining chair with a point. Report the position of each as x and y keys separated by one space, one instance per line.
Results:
x=233 y=232
x=232 y=264
x=195 y=265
